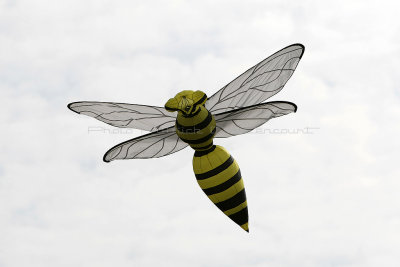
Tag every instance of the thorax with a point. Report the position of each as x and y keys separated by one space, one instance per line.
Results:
x=198 y=129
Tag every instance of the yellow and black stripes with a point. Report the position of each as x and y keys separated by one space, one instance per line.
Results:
x=217 y=173
x=194 y=128
x=204 y=150
x=198 y=130
x=191 y=115
x=219 y=177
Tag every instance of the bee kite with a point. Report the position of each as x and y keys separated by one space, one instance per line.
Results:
x=235 y=109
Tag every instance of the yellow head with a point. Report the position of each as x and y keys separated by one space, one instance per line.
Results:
x=187 y=102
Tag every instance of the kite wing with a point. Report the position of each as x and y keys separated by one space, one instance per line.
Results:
x=123 y=115
x=244 y=120
x=153 y=145
x=259 y=82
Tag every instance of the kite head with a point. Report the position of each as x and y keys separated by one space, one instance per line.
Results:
x=187 y=102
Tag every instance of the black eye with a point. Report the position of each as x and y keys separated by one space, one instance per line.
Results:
x=187 y=108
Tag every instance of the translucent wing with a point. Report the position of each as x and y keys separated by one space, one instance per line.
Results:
x=241 y=121
x=122 y=115
x=152 y=145
x=259 y=82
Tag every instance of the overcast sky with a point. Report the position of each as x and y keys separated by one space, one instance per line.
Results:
x=326 y=198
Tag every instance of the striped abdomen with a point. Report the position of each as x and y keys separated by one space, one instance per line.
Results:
x=197 y=130
x=219 y=177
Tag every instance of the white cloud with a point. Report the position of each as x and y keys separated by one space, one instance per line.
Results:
x=327 y=198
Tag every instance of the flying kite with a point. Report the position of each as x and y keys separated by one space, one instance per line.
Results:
x=235 y=109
